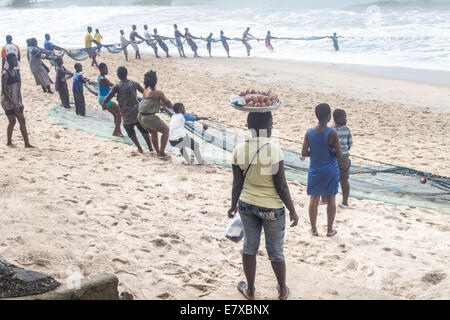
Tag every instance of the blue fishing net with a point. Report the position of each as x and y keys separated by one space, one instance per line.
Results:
x=369 y=179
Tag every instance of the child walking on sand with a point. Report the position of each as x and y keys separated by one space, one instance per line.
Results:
x=321 y=144
x=178 y=137
x=125 y=90
x=77 y=88
x=346 y=142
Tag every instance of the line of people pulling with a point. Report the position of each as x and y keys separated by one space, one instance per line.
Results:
x=133 y=111
x=154 y=40
x=128 y=109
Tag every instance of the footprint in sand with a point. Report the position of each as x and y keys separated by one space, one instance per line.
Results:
x=120 y=261
x=434 y=277
x=169 y=235
x=160 y=243
x=393 y=218
x=163 y=295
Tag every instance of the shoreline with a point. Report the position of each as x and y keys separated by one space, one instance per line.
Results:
x=418 y=75
x=410 y=85
x=375 y=83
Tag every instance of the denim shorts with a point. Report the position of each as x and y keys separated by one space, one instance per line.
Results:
x=273 y=221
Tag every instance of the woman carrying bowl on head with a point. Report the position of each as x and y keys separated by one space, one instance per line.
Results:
x=259 y=192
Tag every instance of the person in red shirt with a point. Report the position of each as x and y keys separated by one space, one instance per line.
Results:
x=8 y=48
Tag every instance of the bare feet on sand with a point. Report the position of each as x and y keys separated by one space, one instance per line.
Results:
x=118 y=134
x=331 y=234
x=163 y=156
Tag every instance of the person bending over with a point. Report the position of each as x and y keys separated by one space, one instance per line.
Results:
x=178 y=137
x=189 y=38
x=161 y=42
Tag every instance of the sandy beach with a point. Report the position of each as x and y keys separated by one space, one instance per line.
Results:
x=79 y=200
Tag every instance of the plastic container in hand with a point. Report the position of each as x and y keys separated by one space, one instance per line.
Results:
x=235 y=230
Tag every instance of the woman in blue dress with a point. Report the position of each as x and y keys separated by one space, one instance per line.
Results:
x=322 y=145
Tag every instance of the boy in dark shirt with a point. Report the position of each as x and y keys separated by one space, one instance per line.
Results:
x=77 y=88
x=61 y=83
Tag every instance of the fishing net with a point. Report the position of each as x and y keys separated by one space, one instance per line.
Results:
x=83 y=54
x=101 y=124
x=369 y=179
x=115 y=48
x=78 y=54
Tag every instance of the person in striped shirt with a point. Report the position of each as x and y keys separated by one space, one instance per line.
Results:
x=346 y=141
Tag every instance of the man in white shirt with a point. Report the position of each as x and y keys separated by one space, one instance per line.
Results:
x=177 y=134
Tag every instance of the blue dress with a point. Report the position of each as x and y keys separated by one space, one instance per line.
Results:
x=323 y=173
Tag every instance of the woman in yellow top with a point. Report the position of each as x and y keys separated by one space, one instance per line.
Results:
x=259 y=191
x=98 y=37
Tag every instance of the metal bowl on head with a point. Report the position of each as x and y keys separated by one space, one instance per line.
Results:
x=238 y=103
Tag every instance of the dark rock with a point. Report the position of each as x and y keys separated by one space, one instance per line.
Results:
x=18 y=282
x=126 y=296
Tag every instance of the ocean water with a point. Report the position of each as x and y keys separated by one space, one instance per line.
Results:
x=410 y=33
